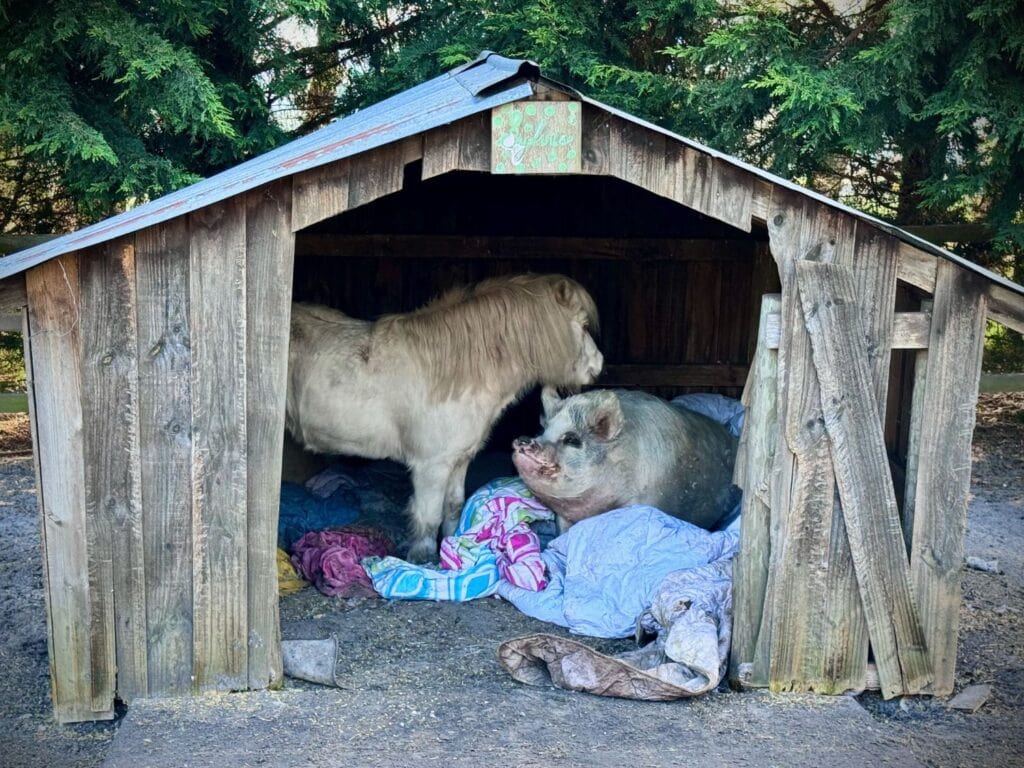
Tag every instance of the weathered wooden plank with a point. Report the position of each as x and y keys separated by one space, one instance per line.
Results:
x=461 y=146
x=531 y=247
x=910 y=330
x=696 y=375
x=375 y=174
x=914 y=435
x=13 y=297
x=815 y=634
x=944 y=463
x=916 y=267
x=760 y=204
x=320 y=193
x=217 y=312
x=110 y=436
x=165 y=442
x=269 y=247
x=732 y=194
x=55 y=384
x=849 y=396
x=595 y=139
x=703 y=307
x=750 y=568
x=694 y=183
x=875 y=261
x=1006 y=307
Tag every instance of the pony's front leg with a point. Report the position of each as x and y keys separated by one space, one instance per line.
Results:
x=454 y=498
x=426 y=509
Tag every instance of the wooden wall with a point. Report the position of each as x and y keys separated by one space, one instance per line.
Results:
x=157 y=367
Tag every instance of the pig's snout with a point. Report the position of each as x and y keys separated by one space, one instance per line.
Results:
x=524 y=444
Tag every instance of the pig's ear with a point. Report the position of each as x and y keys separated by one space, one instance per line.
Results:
x=551 y=402
x=605 y=420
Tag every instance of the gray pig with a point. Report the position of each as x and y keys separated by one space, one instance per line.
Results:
x=611 y=448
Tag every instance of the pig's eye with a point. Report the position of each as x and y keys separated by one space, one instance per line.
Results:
x=571 y=439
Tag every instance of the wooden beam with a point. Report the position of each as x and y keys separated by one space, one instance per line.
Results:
x=269 y=248
x=944 y=462
x=750 y=568
x=165 y=442
x=511 y=247
x=715 y=375
x=113 y=494
x=1006 y=307
x=217 y=317
x=917 y=267
x=833 y=319
x=910 y=330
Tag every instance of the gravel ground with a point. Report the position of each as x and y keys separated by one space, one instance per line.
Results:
x=409 y=646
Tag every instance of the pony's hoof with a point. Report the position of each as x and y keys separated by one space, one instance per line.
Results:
x=422 y=551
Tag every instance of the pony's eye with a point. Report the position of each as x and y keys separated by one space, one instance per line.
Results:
x=571 y=439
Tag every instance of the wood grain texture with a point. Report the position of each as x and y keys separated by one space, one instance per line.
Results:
x=816 y=635
x=110 y=434
x=320 y=193
x=464 y=145
x=875 y=265
x=944 y=462
x=917 y=401
x=13 y=298
x=1006 y=307
x=750 y=567
x=917 y=267
x=165 y=441
x=269 y=248
x=732 y=194
x=55 y=387
x=834 y=317
x=217 y=312
x=375 y=174
x=596 y=141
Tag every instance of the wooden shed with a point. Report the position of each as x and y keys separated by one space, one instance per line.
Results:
x=157 y=344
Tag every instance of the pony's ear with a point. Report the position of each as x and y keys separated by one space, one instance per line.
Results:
x=551 y=402
x=605 y=420
x=565 y=292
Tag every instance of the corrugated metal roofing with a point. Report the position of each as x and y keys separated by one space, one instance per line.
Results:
x=489 y=81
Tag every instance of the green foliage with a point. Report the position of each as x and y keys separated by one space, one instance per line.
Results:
x=12 y=363
x=107 y=103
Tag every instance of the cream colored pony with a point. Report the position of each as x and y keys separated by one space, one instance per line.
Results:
x=426 y=387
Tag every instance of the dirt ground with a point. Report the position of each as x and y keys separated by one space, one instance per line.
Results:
x=402 y=653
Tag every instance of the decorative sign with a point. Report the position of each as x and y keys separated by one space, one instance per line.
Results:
x=536 y=137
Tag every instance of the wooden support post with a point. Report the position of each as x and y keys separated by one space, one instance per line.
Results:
x=944 y=462
x=750 y=568
x=854 y=427
x=914 y=434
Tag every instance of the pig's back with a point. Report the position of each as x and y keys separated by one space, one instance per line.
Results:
x=689 y=459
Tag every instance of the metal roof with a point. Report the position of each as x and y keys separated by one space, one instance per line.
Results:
x=489 y=81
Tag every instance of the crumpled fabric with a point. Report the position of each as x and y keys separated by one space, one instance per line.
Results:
x=302 y=511
x=691 y=611
x=288 y=579
x=604 y=571
x=331 y=560
x=493 y=542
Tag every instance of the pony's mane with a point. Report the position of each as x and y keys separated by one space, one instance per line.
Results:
x=518 y=328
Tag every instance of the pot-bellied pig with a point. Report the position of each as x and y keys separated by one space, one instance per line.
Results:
x=611 y=448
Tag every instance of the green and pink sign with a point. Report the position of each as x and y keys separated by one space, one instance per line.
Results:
x=536 y=137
